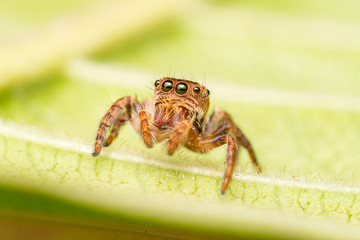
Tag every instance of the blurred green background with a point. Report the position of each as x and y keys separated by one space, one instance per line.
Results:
x=287 y=71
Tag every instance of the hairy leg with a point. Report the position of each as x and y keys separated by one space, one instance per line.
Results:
x=240 y=137
x=208 y=143
x=109 y=118
x=221 y=121
x=217 y=119
x=231 y=157
x=121 y=120
x=145 y=127
x=177 y=135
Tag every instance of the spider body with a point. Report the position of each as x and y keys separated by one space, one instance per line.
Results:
x=178 y=114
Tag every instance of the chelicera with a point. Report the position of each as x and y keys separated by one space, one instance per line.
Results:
x=178 y=114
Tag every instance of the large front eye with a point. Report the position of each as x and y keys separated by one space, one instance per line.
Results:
x=181 y=88
x=167 y=86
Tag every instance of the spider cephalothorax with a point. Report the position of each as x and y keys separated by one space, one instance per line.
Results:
x=178 y=100
x=177 y=114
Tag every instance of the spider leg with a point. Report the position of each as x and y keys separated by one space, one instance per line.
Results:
x=205 y=144
x=177 y=135
x=219 y=130
x=221 y=121
x=231 y=157
x=109 y=118
x=145 y=127
x=121 y=120
x=240 y=137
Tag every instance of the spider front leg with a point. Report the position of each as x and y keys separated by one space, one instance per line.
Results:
x=145 y=127
x=121 y=120
x=245 y=143
x=231 y=157
x=177 y=135
x=208 y=143
x=221 y=121
x=109 y=118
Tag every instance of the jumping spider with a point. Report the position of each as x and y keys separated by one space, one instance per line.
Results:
x=177 y=114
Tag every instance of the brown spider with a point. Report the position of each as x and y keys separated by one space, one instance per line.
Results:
x=177 y=114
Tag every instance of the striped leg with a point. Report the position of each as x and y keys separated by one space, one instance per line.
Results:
x=208 y=143
x=145 y=127
x=109 y=118
x=122 y=119
x=221 y=121
x=177 y=135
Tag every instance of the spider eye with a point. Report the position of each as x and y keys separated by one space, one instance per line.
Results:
x=196 y=90
x=208 y=92
x=167 y=86
x=181 y=88
x=157 y=82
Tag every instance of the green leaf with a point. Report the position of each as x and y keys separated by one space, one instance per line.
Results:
x=126 y=173
x=76 y=188
x=306 y=142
